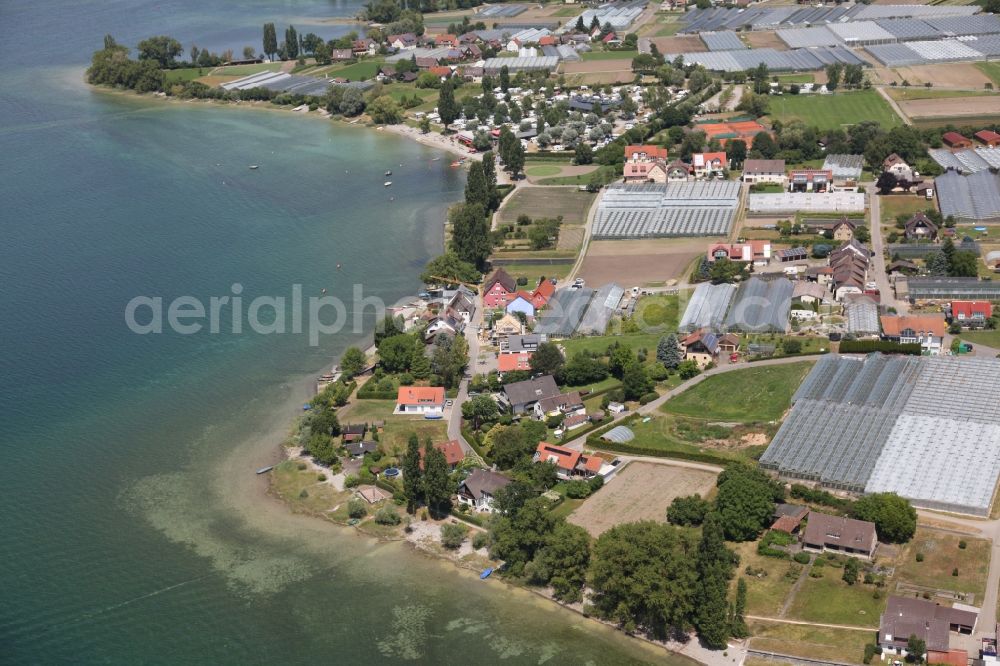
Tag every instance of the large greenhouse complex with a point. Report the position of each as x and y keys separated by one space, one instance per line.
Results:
x=651 y=210
x=926 y=428
x=757 y=306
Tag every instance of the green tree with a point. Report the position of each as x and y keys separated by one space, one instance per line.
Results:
x=851 y=570
x=449 y=268
x=504 y=78
x=916 y=648
x=389 y=327
x=619 y=358
x=508 y=446
x=453 y=534
x=352 y=362
x=490 y=171
x=745 y=501
x=396 y=353
x=270 y=40
x=895 y=519
x=448 y=109
x=413 y=484
x=636 y=382
x=580 y=27
x=425 y=125
x=518 y=536
x=563 y=562
x=715 y=565
x=470 y=234
x=291 y=43
x=547 y=359
x=739 y=627
x=479 y=410
x=688 y=369
x=668 y=351
x=764 y=145
x=477 y=188
x=384 y=110
x=582 y=369
x=643 y=577
x=761 y=79
x=161 y=49
x=420 y=366
x=584 y=154
x=511 y=152
x=436 y=482
x=688 y=511
x=833 y=73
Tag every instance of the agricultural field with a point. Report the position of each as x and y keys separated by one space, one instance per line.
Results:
x=991 y=70
x=834 y=111
x=599 y=343
x=246 y=70
x=581 y=175
x=365 y=69
x=953 y=107
x=609 y=55
x=641 y=491
x=640 y=262
x=185 y=74
x=549 y=202
x=911 y=94
x=756 y=394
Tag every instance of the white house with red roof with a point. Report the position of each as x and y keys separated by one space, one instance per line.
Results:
x=521 y=301
x=570 y=463
x=542 y=293
x=971 y=314
x=645 y=153
x=514 y=362
x=757 y=251
x=645 y=172
x=420 y=400
x=452 y=450
x=708 y=164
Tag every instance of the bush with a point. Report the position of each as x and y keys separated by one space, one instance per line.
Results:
x=301 y=466
x=479 y=540
x=304 y=494
x=884 y=346
x=962 y=544
x=791 y=346
x=356 y=508
x=387 y=516
x=647 y=398
x=577 y=489
x=871 y=649
x=954 y=572
x=352 y=481
x=920 y=557
x=801 y=558
x=321 y=477
x=596 y=483
x=453 y=534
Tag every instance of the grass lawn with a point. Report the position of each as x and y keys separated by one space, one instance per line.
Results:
x=817 y=643
x=245 y=70
x=543 y=170
x=366 y=69
x=535 y=271
x=941 y=556
x=986 y=338
x=830 y=600
x=563 y=12
x=658 y=310
x=684 y=436
x=908 y=94
x=599 y=343
x=566 y=507
x=990 y=69
x=605 y=173
x=892 y=205
x=608 y=55
x=537 y=202
x=185 y=74
x=397 y=428
x=804 y=77
x=289 y=482
x=755 y=394
x=833 y=111
x=773 y=579
x=606 y=383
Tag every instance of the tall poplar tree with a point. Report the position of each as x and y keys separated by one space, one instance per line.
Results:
x=437 y=483
x=714 y=564
x=291 y=43
x=448 y=108
x=477 y=190
x=270 y=40
x=490 y=170
x=412 y=476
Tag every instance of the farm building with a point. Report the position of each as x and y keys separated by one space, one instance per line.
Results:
x=808 y=202
x=973 y=160
x=973 y=198
x=707 y=307
x=564 y=312
x=856 y=422
x=667 y=209
x=602 y=306
x=862 y=315
x=761 y=306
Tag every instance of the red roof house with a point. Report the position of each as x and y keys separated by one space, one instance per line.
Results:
x=548 y=40
x=971 y=313
x=543 y=292
x=955 y=140
x=498 y=289
x=514 y=362
x=640 y=153
x=419 y=400
x=446 y=40
x=569 y=462
x=452 y=450
x=988 y=137
x=440 y=70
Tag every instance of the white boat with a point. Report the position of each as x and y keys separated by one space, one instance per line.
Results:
x=387 y=183
x=254 y=166
x=388 y=173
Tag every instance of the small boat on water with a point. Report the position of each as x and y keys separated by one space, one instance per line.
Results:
x=435 y=159
x=389 y=172
x=486 y=573
x=387 y=183
x=254 y=166
x=265 y=470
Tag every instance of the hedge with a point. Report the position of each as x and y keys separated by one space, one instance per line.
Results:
x=693 y=456
x=884 y=346
x=473 y=441
x=468 y=517
x=364 y=394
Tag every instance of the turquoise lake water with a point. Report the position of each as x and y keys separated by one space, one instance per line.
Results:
x=133 y=528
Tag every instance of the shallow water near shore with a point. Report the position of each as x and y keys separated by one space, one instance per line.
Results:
x=134 y=528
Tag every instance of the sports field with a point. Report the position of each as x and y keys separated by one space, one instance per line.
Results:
x=833 y=111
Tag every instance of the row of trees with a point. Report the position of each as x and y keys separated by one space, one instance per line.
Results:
x=426 y=479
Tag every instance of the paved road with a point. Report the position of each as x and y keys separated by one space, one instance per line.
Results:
x=581 y=255
x=455 y=415
x=881 y=277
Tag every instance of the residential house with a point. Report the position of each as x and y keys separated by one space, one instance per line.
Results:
x=505 y=326
x=341 y=55
x=810 y=180
x=452 y=450
x=920 y=227
x=643 y=153
x=706 y=165
x=764 y=171
x=729 y=343
x=903 y=267
x=542 y=293
x=645 y=172
x=928 y=621
x=927 y=329
x=406 y=41
x=843 y=230
x=420 y=400
x=462 y=305
x=498 y=289
x=819 y=274
x=842 y=535
x=443 y=72
x=426 y=62
x=514 y=362
x=971 y=314
x=789 y=254
x=702 y=347
x=443 y=324
x=513 y=45
x=522 y=396
x=569 y=463
x=364 y=46
x=450 y=41
x=611 y=39
x=956 y=141
x=359 y=449
x=521 y=302
x=678 y=171
x=479 y=488
x=898 y=167
x=788 y=517
x=988 y=138
x=809 y=292
x=576 y=420
x=352 y=432
x=849 y=268
x=564 y=403
x=757 y=251
x=515 y=344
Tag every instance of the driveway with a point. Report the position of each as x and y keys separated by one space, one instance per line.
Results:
x=881 y=277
